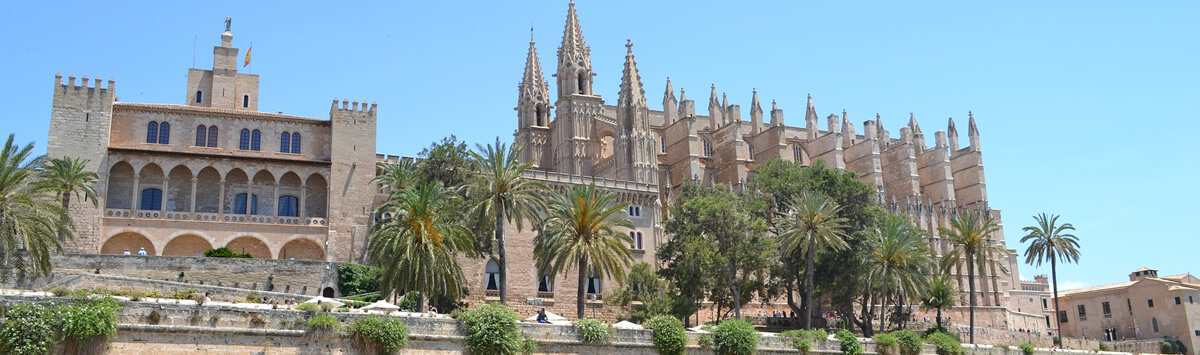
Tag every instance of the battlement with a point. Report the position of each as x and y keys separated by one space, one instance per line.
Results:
x=86 y=94
x=352 y=107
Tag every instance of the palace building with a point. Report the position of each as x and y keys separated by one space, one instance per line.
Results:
x=213 y=171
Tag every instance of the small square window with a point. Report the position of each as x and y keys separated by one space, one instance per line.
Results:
x=1150 y=303
x=1178 y=300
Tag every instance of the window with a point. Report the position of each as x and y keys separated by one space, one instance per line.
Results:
x=638 y=241
x=1190 y=300
x=1150 y=303
x=593 y=284
x=285 y=142
x=152 y=132
x=295 y=142
x=1198 y=333
x=1062 y=316
x=545 y=283
x=212 y=136
x=256 y=140
x=245 y=100
x=662 y=144
x=750 y=147
x=492 y=273
x=289 y=206
x=199 y=96
x=1104 y=306
x=201 y=136
x=707 y=148
x=1045 y=304
x=1129 y=304
x=1082 y=312
x=1178 y=300
x=797 y=153
x=635 y=211
x=1154 y=323
x=164 y=133
x=244 y=139
x=151 y=199
x=239 y=204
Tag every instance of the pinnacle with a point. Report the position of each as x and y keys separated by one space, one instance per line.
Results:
x=632 y=92
x=574 y=48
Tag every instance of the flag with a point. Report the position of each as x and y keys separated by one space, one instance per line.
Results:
x=246 y=62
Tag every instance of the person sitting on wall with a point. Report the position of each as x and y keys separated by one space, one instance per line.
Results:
x=541 y=317
x=126 y=252
x=141 y=251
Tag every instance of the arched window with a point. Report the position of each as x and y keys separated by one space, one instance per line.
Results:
x=239 y=204
x=199 y=96
x=798 y=154
x=201 y=136
x=289 y=206
x=212 y=136
x=152 y=132
x=593 y=284
x=244 y=139
x=637 y=241
x=296 y=142
x=1154 y=323
x=164 y=133
x=583 y=82
x=151 y=199
x=285 y=142
x=245 y=100
x=708 y=150
x=492 y=276
x=256 y=140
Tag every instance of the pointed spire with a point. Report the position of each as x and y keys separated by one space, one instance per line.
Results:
x=714 y=109
x=810 y=118
x=756 y=112
x=670 y=91
x=972 y=130
x=912 y=123
x=632 y=93
x=533 y=84
x=883 y=135
x=574 y=48
x=952 y=134
x=776 y=114
x=670 y=105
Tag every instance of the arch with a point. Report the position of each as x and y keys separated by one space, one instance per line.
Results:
x=236 y=181
x=285 y=142
x=164 y=133
x=315 y=201
x=290 y=188
x=327 y=292
x=244 y=139
x=152 y=132
x=296 y=142
x=120 y=186
x=491 y=275
x=264 y=190
x=250 y=245
x=199 y=96
x=256 y=140
x=186 y=245
x=131 y=241
x=245 y=101
x=583 y=82
x=302 y=249
x=150 y=184
x=178 y=196
x=201 y=136
x=212 y=136
x=208 y=190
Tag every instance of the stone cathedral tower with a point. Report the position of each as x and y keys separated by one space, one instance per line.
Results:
x=533 y=109
x=577 y=107
x=635 y=151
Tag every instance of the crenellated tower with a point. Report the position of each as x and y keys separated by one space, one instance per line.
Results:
x=533 y=109
x=80 y=127
x=577 y=107
x=637 y=146
x=352 y=168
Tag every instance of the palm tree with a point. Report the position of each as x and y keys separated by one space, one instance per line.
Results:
x=417 y=243
x=583 y=232
x=66 y=177
x=396 y=176
x=1050 y=240
x=971 y=233
x=31 y=217
x=899 y=262
x=812 y=223
x=939 y=295
x=501 y=191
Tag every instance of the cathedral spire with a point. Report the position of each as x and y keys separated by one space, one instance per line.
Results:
x=670 y=104
x=972 y=131
x=756 y=112
x=952 y=132
x=632 y=93
x=533 y=84
x=714 y=109
x=810 y=118
x=574 y=58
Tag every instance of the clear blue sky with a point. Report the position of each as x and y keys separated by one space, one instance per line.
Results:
x=1087 y=108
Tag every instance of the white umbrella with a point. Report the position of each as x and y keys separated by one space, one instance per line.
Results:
x=628 y=325
x=324 y=300
x=380 y=305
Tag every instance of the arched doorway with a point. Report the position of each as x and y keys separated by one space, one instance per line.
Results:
x=186 y=245
x=250 y=245
x=327 y=292
x=127 y=241
x=302 y=249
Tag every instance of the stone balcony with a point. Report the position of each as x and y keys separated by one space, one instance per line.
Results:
x=215 y=217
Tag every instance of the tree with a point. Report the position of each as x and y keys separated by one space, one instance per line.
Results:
x=811 y=223
x=584 y=231
x=501 y=191
x=1052 y=241
x=970 y=232
x=31 y=217
x=690 y=263
x=447 y=161
x=416 y=246
x=643 y=285
x=68 y=176
x=898 y=265
x=939 y=295
x=397 y=176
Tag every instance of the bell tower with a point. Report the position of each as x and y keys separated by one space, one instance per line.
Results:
x=533 y=109
x=577 y=107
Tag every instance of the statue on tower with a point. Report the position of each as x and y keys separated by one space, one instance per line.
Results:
x=228 y=23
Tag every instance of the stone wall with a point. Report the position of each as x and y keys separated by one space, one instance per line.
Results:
x=284 y=276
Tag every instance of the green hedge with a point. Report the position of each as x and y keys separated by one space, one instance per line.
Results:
x=804 y=339
x=224 y=252
x=390 y=333
x=735 y=337
x=946 y=344
x=592 y=331
x=670 y=338
x=887 y=344
x=323 y=322
x=848 y=342
x=910 y=342
x=492 y=329
x=1027 y=348
x=33 y=328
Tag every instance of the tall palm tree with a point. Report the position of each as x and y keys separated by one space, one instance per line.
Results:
x=971 y=232
x=811 y=224
x=899 y=262
x=417 y=244
x=396 y=176
x=583 y=232
x=68 y=176
x=939 y=295
x=1053 y=241
x=31 y=217
x=501 y=191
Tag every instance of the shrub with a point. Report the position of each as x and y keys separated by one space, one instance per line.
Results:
x=669 y=336
x=308 y=307
x=390 y=333
x=86 y=320
x=492 y=329
x=1172 y=346
x=28 y=329
x=910 y=343
x=410 y=302
x=705 y=341
x=946 y=344
x=592 y=331
x=804 y=339
x=357 y=279
x=848 y=342
x=887 y=344
x=323 y=323
x=253 y=297
x=1027 y=348
x=735 y=337
x=185 y=294
x=154 y=317
x=224 y=252
x=60 y=291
